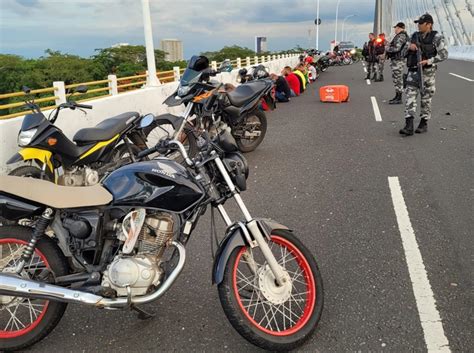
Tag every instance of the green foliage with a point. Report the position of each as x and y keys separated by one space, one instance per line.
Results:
x=130 y=60
x=231 y=53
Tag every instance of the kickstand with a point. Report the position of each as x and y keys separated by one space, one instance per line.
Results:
x=142 y=314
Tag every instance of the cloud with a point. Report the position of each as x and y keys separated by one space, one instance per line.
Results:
x=79 y=26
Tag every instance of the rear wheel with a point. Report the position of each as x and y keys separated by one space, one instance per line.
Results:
x=277 y=318
x=253 y=131
x=25 y=321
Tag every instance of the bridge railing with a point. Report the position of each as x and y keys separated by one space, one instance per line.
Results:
x=12 y=105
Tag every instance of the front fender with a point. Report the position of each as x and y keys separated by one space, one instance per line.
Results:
x=174 y=120
x=235 y=238
x=26 y=154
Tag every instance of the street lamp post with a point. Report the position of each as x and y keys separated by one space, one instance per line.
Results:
x=317 y=25
x=337 y=13
x=343 y=22
x=152 y=79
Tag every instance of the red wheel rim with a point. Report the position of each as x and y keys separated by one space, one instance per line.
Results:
x=28 y=328
x=310 y=286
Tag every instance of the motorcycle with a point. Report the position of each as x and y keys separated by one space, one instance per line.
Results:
x=84 y=161
x=121 y=243
x=247 y=122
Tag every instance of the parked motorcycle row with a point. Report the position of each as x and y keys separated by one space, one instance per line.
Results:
x=337 y=58
x=104 y=220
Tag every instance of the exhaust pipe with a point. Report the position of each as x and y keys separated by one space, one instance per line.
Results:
x=21 y=287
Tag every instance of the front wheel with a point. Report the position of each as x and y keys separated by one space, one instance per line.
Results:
x=157 y=131
x=252 y=131
x=25 y=321
x=277 y=318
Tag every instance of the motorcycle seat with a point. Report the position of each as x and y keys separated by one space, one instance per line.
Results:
x=245 y=92
x=106 y=129
x=52 y=195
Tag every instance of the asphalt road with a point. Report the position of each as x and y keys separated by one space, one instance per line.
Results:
x=323 y=170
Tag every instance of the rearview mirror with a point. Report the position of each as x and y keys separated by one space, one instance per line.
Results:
x=81 y=89
x=147 y=120
x=26 y=89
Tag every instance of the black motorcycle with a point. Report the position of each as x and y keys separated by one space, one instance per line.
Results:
x=248 y=123
x=121 y=244
x=48 y=154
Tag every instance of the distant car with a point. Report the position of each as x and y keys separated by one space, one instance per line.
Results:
x=347 y=46
x=343 y=46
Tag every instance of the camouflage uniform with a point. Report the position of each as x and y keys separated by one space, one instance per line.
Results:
x=396 y=53
x=429 y=71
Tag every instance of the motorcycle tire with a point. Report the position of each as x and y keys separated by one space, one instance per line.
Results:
x=156 y=131
x=259 y=118
x=26 y=321
x=247 y=296
x=29 y=171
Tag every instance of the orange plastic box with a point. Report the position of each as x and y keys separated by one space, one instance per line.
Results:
x=334 y=93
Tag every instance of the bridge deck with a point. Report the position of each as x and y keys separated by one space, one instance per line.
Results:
x=323 y=170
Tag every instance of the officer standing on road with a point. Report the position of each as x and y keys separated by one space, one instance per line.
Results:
x=380 y=44
x=433 y=50
x=396 y=53
x=369 y=54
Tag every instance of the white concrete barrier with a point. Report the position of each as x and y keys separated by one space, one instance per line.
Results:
x=146 y=100
x=462 y=52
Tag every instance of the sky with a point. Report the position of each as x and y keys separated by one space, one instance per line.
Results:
x=28 y=27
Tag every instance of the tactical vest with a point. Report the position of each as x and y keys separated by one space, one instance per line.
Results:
x=428 y=49
x=399 y=54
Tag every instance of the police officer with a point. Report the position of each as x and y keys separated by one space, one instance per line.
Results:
x=369 y=54
x=396 y=53
x=433 y=50
x=380 y=44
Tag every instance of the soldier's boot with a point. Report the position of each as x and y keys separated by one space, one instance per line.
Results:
x=381 y=78
x=422 y=127
x=397 y=99
x=408 y=129
x=377 y=78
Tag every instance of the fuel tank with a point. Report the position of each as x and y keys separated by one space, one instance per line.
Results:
x=159 y=183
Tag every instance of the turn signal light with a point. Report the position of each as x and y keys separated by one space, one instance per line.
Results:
x=52 y=141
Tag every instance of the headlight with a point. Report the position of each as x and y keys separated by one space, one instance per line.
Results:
x=353 y=51
x=25 y=137
x=183 y=90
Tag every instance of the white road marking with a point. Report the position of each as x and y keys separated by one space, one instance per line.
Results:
x=375 y=106
x=365 y=69
x=435 y=338
x=464 y=78
x=368 y=82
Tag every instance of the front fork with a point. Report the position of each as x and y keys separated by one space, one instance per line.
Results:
x=185 y=116
x=252 y=226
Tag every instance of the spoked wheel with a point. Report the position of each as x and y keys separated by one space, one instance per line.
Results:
x=253 y=131
x=24 y=321
x=270 y=316
x=155 y=132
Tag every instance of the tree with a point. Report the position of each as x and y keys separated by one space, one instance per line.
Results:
x=231 y=53
x=128 y=60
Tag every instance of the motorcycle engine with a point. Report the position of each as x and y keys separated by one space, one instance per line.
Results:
x=79 y=177
x=141 y=270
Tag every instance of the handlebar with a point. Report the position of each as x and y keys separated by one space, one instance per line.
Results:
x=163 y=147
x=83 y=106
